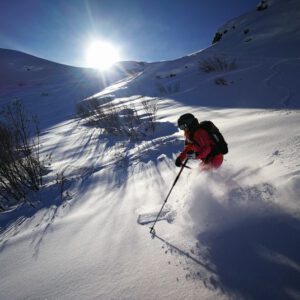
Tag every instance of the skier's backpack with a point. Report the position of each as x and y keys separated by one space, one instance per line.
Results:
x=216 y=135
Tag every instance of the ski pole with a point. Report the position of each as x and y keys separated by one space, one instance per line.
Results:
x=152 y=231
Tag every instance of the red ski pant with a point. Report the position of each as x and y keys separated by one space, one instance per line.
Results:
x=215 y=162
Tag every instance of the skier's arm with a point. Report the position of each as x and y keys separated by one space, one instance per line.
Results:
x=187 y=147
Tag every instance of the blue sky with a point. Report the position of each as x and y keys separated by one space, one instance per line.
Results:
x=144 y=30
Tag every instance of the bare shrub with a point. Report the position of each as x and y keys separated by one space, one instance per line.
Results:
x=21 y=169
x=221 y=81
x=61 y=181
x=150 y=108
x=120 y=119
x=217 y=37
x=130 y=121
x=110 y=118
x=217 y=64
x=262 y=5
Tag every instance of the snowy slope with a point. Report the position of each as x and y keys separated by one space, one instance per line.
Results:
x=260 y=34
x=38 y=82
x=232 y=234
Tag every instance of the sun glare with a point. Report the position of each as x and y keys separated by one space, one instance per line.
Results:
x=101 y=55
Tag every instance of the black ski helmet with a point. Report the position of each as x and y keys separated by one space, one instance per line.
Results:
x=188 y=121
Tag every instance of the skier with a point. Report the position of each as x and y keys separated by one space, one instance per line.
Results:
x=199 y=144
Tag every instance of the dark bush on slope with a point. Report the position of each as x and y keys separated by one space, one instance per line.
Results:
x=20 y=164
x=217 y=64
x=217 y=37
x=118 y=119
x=262 y=5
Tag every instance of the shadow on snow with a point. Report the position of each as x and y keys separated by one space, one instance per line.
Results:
x=258 y=258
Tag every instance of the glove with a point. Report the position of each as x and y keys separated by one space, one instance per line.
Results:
x=191 y=154
x=178 y=162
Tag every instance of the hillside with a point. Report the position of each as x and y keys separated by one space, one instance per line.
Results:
x=232 y=233
x=39 y=83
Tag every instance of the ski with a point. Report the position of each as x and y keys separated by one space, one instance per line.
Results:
x=147 y=218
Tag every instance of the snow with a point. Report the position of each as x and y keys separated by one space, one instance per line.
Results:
x=234 y=232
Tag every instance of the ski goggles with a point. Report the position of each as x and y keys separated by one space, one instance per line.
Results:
x=182 y=126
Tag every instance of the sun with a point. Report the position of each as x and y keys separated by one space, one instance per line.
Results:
x=101 y=55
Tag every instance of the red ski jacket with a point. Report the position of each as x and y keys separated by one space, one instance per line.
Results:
x=202 y=144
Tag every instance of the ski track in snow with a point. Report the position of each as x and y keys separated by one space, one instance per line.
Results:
x=276 y=79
